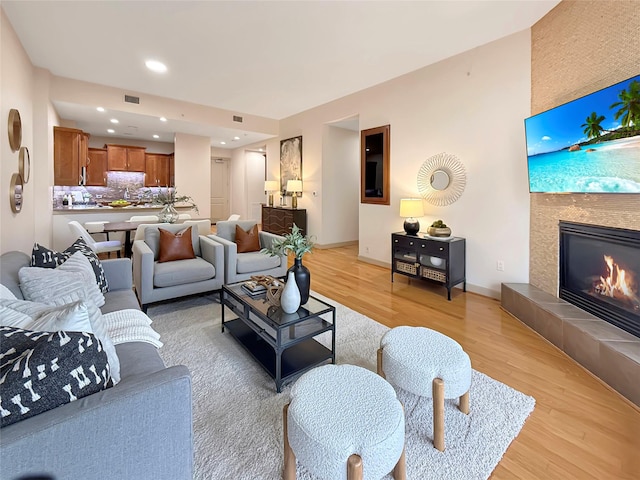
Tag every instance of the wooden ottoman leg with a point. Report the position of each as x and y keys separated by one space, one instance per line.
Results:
x=400 y=470
x=354 y=467
x=464 y=403
x=438 y=414
x=380 y=370
x=289 y=457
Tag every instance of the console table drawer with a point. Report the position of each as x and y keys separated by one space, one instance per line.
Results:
x=433 y=247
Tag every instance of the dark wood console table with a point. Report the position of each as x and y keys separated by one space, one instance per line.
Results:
x=430 y=258
x=279 y=220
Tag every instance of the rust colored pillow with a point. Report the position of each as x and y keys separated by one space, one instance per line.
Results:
x=247 y=241
x=176 y=246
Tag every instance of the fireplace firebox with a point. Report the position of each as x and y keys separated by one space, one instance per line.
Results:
x=600 y=272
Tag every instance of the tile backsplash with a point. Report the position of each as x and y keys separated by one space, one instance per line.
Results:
x=119 y=185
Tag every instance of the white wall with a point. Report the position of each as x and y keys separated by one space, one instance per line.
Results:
x=340 y=196
x=16 y=91
x=471 y=105
x=193 y=170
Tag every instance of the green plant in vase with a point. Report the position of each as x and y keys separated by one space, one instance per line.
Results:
x=298 y=245
x=169 y=197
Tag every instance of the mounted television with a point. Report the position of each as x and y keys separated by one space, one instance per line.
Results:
x=589 y=145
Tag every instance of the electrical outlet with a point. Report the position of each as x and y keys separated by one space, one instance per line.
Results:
x=366 y=249
x=500 y=265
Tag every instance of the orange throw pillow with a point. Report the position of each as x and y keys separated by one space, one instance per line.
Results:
x=175 y=246
x=247 y=241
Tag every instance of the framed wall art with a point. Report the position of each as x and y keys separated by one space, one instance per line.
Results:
x=290 y=162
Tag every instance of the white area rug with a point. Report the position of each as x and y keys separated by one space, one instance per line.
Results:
x=237 y=414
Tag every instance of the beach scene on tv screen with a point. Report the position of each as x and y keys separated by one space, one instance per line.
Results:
x=589 y=145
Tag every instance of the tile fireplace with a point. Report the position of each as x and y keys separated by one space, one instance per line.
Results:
x=600 y=272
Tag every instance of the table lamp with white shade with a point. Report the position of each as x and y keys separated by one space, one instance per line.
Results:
x=271 y=186
x=410 y=209
x=294 y=186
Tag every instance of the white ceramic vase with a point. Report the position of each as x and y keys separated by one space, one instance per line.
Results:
x=290 y=298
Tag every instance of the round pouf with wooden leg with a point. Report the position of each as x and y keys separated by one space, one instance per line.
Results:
x=344 y=423
x=429 y=364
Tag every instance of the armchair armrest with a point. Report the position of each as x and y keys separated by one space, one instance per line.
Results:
x=230 y=256
x=267 y=238
x=143 y=262
x=118 y=272
x=212 y=252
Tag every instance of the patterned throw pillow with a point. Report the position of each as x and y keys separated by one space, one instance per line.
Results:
x=43 y=370
x=45 y=258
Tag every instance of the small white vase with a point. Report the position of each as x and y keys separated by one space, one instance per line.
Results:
x=290 y=298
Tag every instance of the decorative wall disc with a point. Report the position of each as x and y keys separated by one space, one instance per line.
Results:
x=15 y=193
x=441 y=179
x=24 y=164
x=14 y=129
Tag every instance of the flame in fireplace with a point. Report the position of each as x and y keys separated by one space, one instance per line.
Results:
x=617 y=283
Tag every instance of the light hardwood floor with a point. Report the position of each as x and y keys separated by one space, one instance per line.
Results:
x=580 y=428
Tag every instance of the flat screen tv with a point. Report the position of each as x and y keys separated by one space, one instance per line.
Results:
x=589 y=145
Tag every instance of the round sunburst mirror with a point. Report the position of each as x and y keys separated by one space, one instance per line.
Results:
x=441 y=179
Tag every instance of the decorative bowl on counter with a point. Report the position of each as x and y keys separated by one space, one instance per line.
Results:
x=119 y=203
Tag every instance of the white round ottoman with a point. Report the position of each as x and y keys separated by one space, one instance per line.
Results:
x=429 y=364
x=344 y=422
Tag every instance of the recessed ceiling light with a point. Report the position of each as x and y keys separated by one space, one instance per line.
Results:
x=114 y=120
x=223 y=143
x=236 y=138
x=111 y=130
x=162 y=119
x=156 y=136
x=100 y=109
x=156 y=66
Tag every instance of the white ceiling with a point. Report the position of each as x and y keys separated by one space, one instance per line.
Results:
x=266 y=58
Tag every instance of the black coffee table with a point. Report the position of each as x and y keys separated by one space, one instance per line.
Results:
x=282 y=343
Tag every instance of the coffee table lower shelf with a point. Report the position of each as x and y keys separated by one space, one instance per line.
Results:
x=294 y=360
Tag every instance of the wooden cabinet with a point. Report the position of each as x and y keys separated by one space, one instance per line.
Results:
x=70 y=155
x=97 y=168
x=158 y=170
x=440 y=260
x=279 y=220
x=125 y=158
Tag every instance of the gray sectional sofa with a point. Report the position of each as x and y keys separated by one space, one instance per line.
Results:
x=139 y=429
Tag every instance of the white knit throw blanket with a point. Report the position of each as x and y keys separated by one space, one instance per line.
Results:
x=130 y=326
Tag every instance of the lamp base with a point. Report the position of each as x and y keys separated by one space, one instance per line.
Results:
x=411 y=226
x=271 y=199
x=294 y=201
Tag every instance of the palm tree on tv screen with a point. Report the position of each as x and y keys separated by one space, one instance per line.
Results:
x=592 y=127
x=629 y=105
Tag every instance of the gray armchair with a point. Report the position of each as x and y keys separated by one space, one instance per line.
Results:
x=241 y=266
x=155 y=281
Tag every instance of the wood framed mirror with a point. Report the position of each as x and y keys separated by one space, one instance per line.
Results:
x=374 y=165
x=14 y=130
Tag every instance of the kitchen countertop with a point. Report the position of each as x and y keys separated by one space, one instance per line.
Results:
x=96 y=208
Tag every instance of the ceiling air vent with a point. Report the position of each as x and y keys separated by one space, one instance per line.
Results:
x=237 y=118
x=132 y=99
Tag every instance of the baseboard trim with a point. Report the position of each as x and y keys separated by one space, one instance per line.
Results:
x=335 y=245
x=374 y=262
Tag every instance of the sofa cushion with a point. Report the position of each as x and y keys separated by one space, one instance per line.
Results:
x=41 y=284
x=43 y=370
x=152 y=237
x=175 y=246
x=10 y=263
x=182 y=272
x=256 y=262
x=119 y=300
x=46 y=258
x=70 y=317
x=6 y=293
x=247 y=241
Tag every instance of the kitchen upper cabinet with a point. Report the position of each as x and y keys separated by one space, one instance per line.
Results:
x=70 y=155
x=125 y=158
x=97 y=168
x=158 y=170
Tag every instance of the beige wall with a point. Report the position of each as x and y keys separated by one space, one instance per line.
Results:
x=16 y=91
x=471 y=105
x=577 y=48
x=192 y=159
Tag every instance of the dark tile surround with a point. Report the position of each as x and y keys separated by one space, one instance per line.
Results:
x=607 y=351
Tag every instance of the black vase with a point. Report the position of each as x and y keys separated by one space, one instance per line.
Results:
x=303 y=279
